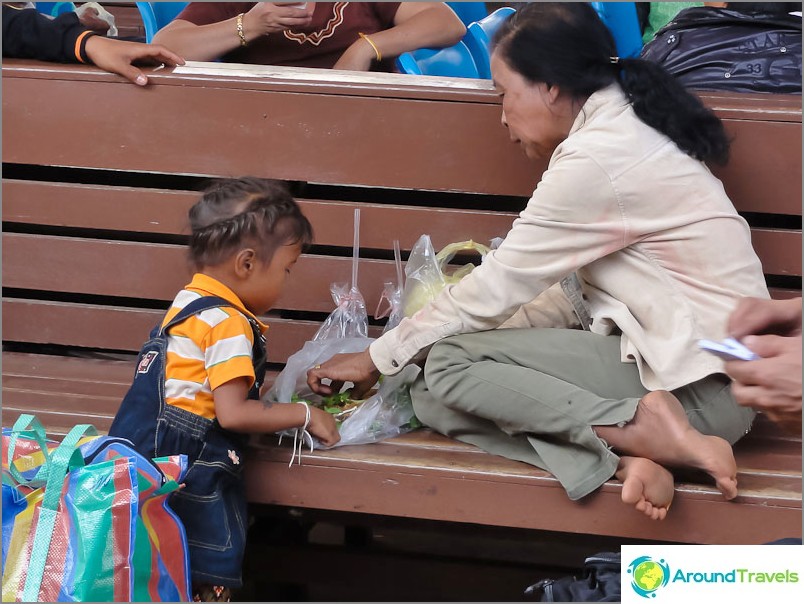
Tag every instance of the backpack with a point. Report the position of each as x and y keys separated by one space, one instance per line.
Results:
x=724 y=49
x=599 y=582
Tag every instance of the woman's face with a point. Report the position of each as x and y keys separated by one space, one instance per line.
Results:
x=533 y=113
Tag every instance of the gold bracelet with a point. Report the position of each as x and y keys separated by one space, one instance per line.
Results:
x=240 y=33
x=373 y=45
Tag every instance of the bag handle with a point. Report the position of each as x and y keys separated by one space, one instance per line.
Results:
x=28 y=426
x=448 y=251
x=64 y=458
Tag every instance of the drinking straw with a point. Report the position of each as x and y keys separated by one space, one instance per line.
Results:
x=356 y=248
x=398 y=262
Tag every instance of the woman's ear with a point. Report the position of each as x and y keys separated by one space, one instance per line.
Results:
x=553 y=93
x=245 y=261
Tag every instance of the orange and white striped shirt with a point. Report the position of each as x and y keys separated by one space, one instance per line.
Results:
x=208 y=349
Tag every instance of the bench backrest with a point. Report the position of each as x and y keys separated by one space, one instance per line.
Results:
x=96 y=187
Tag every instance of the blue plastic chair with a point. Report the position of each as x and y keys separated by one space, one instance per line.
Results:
x=469 y=12
x=453 y=61
x=623 y=23
x=479 y=35
x=155 y=15
x=54 y=9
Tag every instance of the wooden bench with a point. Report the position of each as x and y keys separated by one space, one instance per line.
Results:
x=96 y=188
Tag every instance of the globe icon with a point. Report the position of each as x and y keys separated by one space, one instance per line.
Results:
x=649 y=576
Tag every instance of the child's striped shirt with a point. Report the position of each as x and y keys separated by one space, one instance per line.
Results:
x=208 y=349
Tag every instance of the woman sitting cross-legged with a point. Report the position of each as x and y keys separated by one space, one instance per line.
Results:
x=630 y=239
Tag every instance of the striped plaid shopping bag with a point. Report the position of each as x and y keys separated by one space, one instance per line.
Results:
x=87 y=520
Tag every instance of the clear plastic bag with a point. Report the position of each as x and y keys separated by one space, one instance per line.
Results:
x=425 y=274
x=392 y=295
x=349 y=319
x=386 y=413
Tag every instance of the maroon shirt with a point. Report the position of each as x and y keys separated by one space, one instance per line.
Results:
x=335 y=26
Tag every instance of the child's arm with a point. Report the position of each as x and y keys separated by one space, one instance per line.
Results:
x=236 y=412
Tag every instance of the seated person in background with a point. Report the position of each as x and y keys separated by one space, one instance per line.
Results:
x=360 y=36
x=735 y=46
x=772 y=384
x=28 y=34
x=655 y=15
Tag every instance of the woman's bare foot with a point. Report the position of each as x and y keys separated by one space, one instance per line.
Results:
x=660 y=431
x=646 y=485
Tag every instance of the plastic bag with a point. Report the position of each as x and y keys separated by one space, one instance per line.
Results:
x=392 y=295
x=103 y=15
x=425 y=272
x=386 y=413
x=349 y=319
x=87 y=520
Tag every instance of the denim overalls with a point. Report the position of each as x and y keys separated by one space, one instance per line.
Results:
x=212 y=505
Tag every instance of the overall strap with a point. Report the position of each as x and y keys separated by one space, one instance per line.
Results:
x=258 y=353
x=193 y=308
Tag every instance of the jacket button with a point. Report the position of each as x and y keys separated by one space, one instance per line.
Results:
x=394 y=364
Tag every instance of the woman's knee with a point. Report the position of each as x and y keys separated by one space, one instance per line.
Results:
x=445 y=363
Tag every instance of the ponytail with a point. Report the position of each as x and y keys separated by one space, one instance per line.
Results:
x=566 y=44
x=663 y=103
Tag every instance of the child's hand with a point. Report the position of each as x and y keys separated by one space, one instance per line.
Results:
x=322 y=425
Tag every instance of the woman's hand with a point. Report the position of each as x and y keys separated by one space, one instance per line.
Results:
x=270 y=18
x=323 y=426
x=355 y=367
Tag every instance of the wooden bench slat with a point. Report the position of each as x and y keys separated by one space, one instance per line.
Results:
x=247 y=141
x=67 y=264
x=165 y=212
x=747 y=182
x=773 y=248
x=384 y=479
x=121 y=328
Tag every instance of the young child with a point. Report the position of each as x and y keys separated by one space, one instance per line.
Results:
x=196 y=386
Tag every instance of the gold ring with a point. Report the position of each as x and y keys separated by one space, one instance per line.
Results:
x=317 y=367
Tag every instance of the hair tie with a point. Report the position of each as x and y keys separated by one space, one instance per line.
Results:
x=614 y=60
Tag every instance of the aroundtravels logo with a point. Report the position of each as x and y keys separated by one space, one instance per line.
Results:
x=648 y=575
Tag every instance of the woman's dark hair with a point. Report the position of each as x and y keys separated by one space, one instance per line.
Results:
x=566 y=44
x=248 y=211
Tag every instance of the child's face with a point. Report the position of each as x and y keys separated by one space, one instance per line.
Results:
x=266 y=282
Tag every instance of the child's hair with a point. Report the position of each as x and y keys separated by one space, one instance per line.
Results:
x=241 y=212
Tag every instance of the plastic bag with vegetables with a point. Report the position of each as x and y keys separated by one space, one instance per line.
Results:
x=386 y=412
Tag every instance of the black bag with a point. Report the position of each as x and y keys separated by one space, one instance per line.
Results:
x=724 y=49
x=600 y=582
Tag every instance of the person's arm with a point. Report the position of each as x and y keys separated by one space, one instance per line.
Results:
x=416 y=25
x=28 y=34
x=572 y=220
x=236 y=412
x=211 y=41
